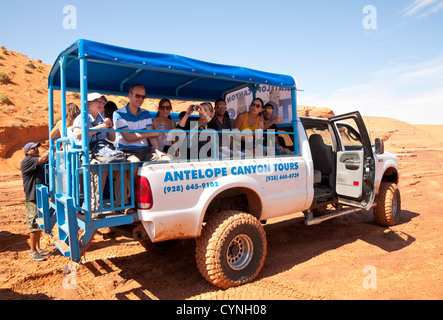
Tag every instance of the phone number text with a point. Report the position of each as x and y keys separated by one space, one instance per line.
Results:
x=192 y=186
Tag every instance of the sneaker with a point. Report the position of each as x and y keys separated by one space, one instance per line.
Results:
x=37 y=256
x=44 y=252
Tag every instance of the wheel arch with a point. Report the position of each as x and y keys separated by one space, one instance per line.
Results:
x=235 y=198
x=390 y=175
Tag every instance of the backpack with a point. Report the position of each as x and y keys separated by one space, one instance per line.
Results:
x=104 y=152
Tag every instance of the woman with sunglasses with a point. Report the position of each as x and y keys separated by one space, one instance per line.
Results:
x=163 y=121
x=251 y=120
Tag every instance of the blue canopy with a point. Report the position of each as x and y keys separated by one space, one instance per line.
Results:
x=112 y=70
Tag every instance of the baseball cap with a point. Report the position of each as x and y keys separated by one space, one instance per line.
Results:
x=94 y=96
x=31 y=145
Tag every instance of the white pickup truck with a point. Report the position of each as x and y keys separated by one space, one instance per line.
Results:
x=330 y=169
x=223 y=203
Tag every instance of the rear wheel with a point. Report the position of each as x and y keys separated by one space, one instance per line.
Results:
x=231 y=250
x=388 y=208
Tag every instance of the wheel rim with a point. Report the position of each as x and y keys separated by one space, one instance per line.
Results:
x=240 y=252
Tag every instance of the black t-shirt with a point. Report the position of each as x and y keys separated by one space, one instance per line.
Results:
x=266 y=139
x=32 y=174
x=219 y=126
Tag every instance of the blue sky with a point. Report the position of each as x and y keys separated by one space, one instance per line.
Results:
x=389 y=66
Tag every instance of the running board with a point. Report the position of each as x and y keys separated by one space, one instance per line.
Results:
x=314 y=221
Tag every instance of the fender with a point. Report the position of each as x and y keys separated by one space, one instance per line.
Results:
x=385 y=163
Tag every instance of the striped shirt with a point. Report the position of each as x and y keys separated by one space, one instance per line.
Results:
x=124 y=119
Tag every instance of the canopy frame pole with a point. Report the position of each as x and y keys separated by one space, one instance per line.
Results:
x=130 y=77
x=185 y=85
x=51 y=141
x=62 y=63
x=85 y=135
x=253 y=87
x=294 y=119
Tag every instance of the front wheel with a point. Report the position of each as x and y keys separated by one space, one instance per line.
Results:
x=231 y=250
x=388 y=208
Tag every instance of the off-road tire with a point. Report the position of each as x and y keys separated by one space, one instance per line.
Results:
x=231 y=250
x=388 y=208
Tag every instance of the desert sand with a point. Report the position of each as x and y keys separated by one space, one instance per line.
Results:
x=332 y=260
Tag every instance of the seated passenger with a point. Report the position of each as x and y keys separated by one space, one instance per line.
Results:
x=220 y=122
x=109 y=109
x=205 y=112
x=163 y=121
x=270 y=121
x=249 y=121
x=134 y=144
x=96 y=102
x=133 y=117
x=72 y=111
x=95 y=121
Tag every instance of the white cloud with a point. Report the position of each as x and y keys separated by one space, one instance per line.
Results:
x=430 y=71
x=422 y=8
x=407 y=92
x=434 y=9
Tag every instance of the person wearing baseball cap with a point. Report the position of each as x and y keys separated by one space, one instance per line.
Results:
x=96 y=121
x=33 y=173
x=95 y=96
x=96 y=102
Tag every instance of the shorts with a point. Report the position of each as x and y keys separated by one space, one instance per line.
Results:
x=138 y=155
x=31 y=216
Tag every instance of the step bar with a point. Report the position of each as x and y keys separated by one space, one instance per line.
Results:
x=318 y=220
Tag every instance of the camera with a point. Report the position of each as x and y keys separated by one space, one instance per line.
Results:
x=195 y=108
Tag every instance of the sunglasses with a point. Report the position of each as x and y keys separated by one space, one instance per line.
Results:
x=257 y=105
x=139 y=96
x=269 y=110
x=165 y=108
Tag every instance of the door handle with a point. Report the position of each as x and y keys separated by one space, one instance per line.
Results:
x=351 y=164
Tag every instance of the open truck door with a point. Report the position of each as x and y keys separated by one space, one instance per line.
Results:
x=355 y=164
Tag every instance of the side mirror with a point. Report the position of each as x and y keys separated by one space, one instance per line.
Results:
x=379 y=146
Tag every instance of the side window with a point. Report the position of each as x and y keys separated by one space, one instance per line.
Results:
x=285 y=140
x=321 y=130
x=349 y=134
